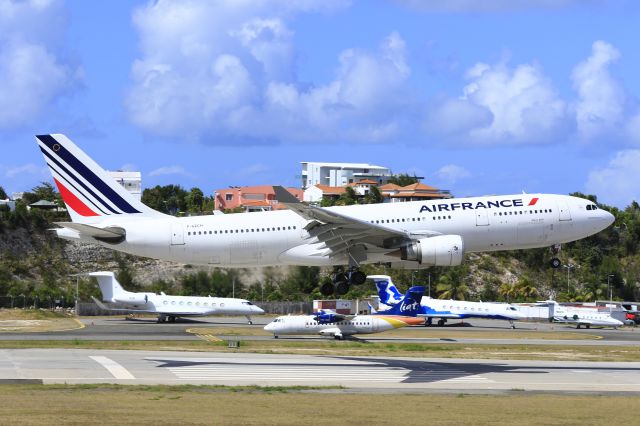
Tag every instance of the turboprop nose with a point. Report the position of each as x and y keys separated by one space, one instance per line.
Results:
x=257 y=310
x=269 y=327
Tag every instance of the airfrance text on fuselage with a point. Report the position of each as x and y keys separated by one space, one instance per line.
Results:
x=477 y=205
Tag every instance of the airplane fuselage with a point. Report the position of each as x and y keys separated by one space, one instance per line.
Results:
x=272 y=238
x=360 y=324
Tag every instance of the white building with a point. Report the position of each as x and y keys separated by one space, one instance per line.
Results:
x=132 y=182
x=340 y=174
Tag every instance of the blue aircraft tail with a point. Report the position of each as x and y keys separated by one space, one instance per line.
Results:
x=410 y=304
x=387 y=291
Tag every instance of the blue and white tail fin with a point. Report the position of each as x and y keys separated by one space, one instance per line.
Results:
x=410 y=304
x=88 y=191
x=110 y=288
x=387 y=291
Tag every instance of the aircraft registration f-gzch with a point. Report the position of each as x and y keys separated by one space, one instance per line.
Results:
x=446 y=309
x=169 y=307
x=330 y=323
x=409 y=235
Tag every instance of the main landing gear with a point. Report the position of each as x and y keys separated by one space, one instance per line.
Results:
x=555 y=262
x=342 y=281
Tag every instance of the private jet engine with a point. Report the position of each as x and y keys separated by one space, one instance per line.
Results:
x=441 y=250
x=135 y=299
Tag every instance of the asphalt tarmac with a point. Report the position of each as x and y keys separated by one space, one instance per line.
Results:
x=368 y=374
x=120 y=328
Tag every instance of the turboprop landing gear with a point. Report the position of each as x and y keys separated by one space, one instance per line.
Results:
x=249 y=319
x=555 y=262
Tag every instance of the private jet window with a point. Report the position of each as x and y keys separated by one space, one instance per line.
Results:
x=434 y=218
x=173 y=302
x=294 y=227
x=181 y=303
x=190 y=303
x=188 y=233
x=165 y=303
x=205 y=304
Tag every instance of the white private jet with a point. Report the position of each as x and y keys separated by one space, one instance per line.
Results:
x=169 y=307
x=447 y=309
x=411 y=235
x=329 y=323
x=581 y=316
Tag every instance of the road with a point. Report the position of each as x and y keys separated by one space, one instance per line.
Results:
x=354 y=373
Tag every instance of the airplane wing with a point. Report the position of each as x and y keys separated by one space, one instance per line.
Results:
x=339 y=233
x=109 y=233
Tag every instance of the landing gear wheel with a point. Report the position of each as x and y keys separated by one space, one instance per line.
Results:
x=441 y=322
x=342 y=287
x=358 y=277
x=327 y=289
x=555 y=263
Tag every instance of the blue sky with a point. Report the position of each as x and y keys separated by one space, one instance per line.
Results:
x=480 y=98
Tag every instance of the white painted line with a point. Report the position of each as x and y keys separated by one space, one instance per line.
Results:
x=118 y=371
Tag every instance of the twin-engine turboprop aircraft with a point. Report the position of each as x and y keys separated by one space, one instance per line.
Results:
x=409 y=235
x=329 y=323
x=169 y=307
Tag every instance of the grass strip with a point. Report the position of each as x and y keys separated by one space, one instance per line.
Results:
x=164 y=405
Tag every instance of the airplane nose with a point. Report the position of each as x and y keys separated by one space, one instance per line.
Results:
x=609 y=218
x=268 y=327
x=258 y=310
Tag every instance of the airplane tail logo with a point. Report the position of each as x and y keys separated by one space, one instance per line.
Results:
x=387 y=291
x=410 y=305
x=87 y=190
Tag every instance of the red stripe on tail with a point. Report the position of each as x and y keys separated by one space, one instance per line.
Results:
x=74 y=202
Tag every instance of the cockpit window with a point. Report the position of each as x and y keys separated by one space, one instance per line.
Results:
x=247 y=303
x=592 y=207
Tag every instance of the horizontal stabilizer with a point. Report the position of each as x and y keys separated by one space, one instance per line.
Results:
x=107 y=234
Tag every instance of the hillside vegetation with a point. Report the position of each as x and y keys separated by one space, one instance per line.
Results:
x=33 y=262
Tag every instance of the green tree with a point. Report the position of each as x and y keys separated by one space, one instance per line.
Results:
x=403 y=179
x=450 y=285
x=195 y=200
x=348 y=198
x=374 y=196
x=3 y=195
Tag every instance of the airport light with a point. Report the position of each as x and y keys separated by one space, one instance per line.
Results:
x=609 y=286
x=569 y=267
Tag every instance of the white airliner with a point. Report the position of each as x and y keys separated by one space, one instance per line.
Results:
x=411 y=235
x=581 y=316
x=169 y=307
x=329 y=323
x=446 y=309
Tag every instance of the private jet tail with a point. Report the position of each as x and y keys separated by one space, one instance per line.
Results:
x=387 y=291
x=88 y=191
x=410 y=304
x=110 y=288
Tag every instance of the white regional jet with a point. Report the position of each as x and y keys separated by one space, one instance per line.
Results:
x=410 y=235
x=581 y=316
x=169 y=307
x=447 y=309
x=329 y=323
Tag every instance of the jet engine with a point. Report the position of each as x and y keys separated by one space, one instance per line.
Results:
x=136 y=299
x=441 y=250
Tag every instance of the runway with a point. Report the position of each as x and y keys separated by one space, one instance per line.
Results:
x=119 y=328
x=353 y=373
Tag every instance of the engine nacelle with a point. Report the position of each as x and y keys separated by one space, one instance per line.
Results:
x=136 y=299
x=441 y=250
x=327 y=317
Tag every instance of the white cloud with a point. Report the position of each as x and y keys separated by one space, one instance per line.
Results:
x=601 y=99
x=26 y=169
x=617 y=183
x=452 y=173
x=169 y=170
x=32 y=71
x=501 y=105
x=222 y=72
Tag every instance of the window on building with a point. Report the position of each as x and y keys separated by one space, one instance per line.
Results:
x=228 y=197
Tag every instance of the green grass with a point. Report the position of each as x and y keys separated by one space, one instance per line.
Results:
x=254 y=405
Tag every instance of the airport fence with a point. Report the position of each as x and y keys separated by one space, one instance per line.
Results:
x=28 y=302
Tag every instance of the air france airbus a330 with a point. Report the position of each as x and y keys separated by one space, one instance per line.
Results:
x=410 y=235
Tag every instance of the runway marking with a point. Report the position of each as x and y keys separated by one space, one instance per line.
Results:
x=204 y=334
x=117 y=370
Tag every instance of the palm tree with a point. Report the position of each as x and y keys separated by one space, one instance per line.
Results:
x=451 y=288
